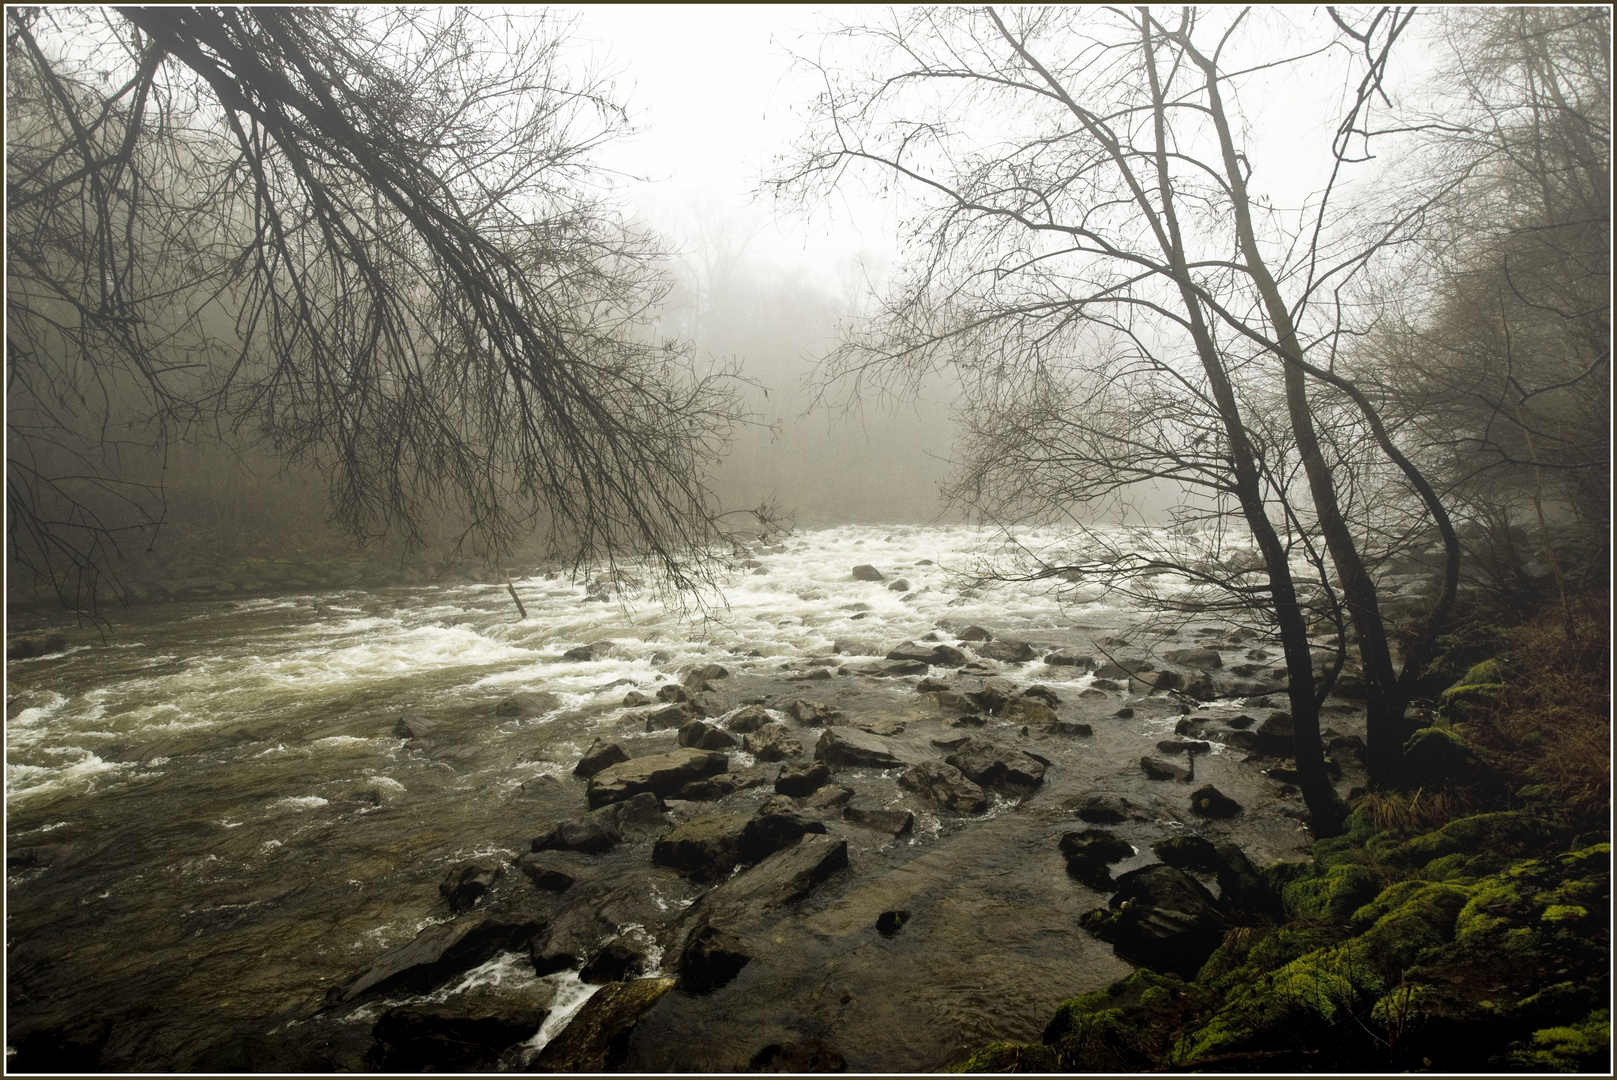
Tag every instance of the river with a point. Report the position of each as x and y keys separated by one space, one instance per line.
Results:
x=211 y=820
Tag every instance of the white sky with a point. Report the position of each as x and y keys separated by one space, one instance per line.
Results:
x=712 y=89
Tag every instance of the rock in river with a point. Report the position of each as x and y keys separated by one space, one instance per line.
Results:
x=844 y=747
x=438 y=953
x=946 y=786
x=772 y=742
x=1163 y=918
x=604 y=828
x=528 y=703
x=597 y=1039
x=600 y=755
x=660 y=774
x=447 y=1036
x=992 y=766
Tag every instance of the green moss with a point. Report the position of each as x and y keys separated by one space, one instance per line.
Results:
x=1438 y=755
x=1508 y=832
x=1581 y=1047
x=1564 y=913
x=1124 y=1027
x=1488 y=671
x=1419 y=919
x=1335 y=896
x=1004 y=1057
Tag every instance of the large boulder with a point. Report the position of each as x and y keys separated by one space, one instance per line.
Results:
x=1090 y=854
x=704 y=674
x=1162 y=918
x=1000 y=768
x=414 y=727
x=448 y=1036
x=660 y=774
x=1107 y=809
x=945 y=786
x=773 y=741
x=767 y=833
x=866 y=572
x=890 y=669
x=1277 y=734
x=597 y=1039
x=891 y=822
x=619 y=959
x=673 y=715
x=1070 y=658
x=748 y=719
x=844 y=747
x=1207 y=801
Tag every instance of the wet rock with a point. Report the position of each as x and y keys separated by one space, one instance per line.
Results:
x=817 y=675
x=673 y=693
x=597 y=1039
x=827 y=798
x=605 y=827
x=283 y=1053
x=659 y=774
x=807 y=1056
x=1239 y=740
x=447 y=1036
x=746 y=720
x=1276 y=735
x=1195 y=658
x=674 y=715
x=711 y=959
x=945 y=786
x=970 y=720
x=1157 y=769
x=718 y=787
x=856 y=648
x=890 y=669
x=851 y=748
x=1108 y=809
x=1162 y=680
x=772 y=742
x=1069 y=658
x=528 y=703
x=899 y=585
x=1240 y=885
x=1000 y=768
x=438 y=953
x=1067 y=727
x=1187 y=852
x=866 y=572
x=703 y=848
x=467 y=884
x=800 y=780
x=812 y=713
x=1184 y=746
x=699 y=735
x=1105 y=684
x=1200 y=686
x=1007 y=651
x=588 y=652
x=1163 y=918
x=766 y=834
x=619 y=959
x=1207 y=801
x=414 y=727
x=891 y=822
x=942 y=655
x=1097 y=844
x=788 y=875
x=600 y=755
x=364 y=798
x=635 y=698
x=706 y=673
x=994 y=695
x=26 y=648
x=975 y=633
x=543 y=875
x=889 y=923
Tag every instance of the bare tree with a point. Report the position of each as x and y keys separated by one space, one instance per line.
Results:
x=371 y=242
x=1125 y=308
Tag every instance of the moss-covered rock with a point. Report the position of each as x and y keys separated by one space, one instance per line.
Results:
x=1581 y=1047
x=1507 y=832
x=1005 y=1057
x=1126 y=1027
x=1335 y=896
x=1434 y=756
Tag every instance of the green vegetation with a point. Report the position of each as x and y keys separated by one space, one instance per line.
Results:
x=1462 y=928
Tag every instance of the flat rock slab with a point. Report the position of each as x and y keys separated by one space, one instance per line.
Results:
x=847 y=747
x=660 y=774
x=945 y=786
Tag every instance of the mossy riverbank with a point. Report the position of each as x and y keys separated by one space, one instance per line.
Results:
x=1461 y=927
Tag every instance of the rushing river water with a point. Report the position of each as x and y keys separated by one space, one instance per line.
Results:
x=215 y=821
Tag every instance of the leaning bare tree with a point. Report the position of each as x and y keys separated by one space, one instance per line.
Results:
x=372 y=242
x=1126 y=307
